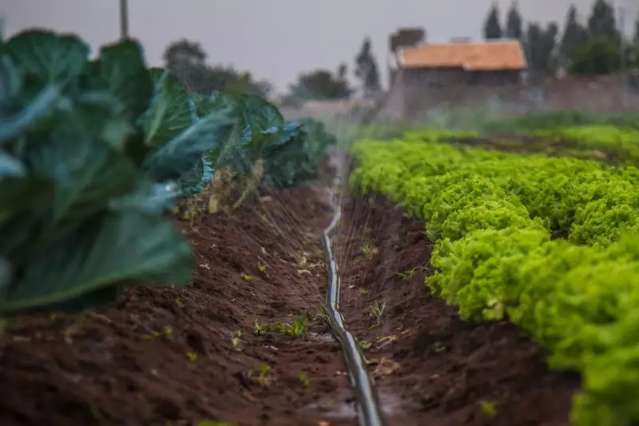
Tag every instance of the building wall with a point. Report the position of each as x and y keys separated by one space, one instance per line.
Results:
x=418 y=88
x=411 y=96
x=442 y=77
x=494 y=77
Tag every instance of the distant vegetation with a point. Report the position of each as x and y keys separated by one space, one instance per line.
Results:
x=596 y=47
x=319 y=85
x=186 y=61
x=325 y=85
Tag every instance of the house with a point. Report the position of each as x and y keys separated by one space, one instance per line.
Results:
x=440 y=72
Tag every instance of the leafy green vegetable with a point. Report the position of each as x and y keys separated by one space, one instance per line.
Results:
x=550 y=243
x=48 y=58
x=10 y=166
x=121 y=71
x=169 y=113
x=92 y=154
x=97 y=261
x=180 y=154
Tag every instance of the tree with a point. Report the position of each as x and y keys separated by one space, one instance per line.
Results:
x=342 y=72
x=514 y=23
x=634 y=49
x=319 y=85
x=540 y=47
x=366 y=70
x=186 y=61
x=575 y=35
x=600 y=52
x=184 y=54
x=492 y=27
x=600 y=55
x=602 y=21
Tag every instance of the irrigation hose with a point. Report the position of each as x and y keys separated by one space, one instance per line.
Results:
x=369 y=413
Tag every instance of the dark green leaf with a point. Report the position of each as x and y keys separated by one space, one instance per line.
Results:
x=169 y=113
x=150 y=198
x=10 y=166
x=97 y=115
x=121 y=71
x=127 y=247
x=12 y=124
x=85 y=173
x=179 y=155
x=24 y=203
x=48 y=57
x=204 y=105
x=196 y=180
x=10 y=79
x=258 y=114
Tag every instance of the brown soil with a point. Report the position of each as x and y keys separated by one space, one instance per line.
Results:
x=431 y=368
x=173 y=356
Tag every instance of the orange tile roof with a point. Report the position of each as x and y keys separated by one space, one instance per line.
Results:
x=480 y=56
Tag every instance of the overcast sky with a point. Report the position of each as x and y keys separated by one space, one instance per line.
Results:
x=276 y=39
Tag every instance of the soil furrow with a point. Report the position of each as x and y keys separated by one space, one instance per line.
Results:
x=432 y=368
x=169 y=356
x=224 y=347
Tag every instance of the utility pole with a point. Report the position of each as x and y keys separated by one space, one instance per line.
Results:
x=622 y=52
x=124 y=19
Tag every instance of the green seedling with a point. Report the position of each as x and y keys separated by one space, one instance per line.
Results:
x=262 y=376
x=364 y=344
x=304 y=380
x=439 y=347
x=214 y=423
x=248 y=277
x=296 y=328
x=167 y=333
x=259 y=328
x=236 y=340
x=262 y=267
x=369 y=250
x=376 y=311
x=385 y=340
x=192 y=357
x=409 y=274
x=152 y=335
x=488 y=409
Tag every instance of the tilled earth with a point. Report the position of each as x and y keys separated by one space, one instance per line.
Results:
x=224 y=348
x=169 y=356
x=432 y=368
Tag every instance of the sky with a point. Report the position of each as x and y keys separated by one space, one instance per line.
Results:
x=277 y=39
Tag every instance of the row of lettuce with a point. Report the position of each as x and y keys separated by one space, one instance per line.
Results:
x=613 y=138
x=618 y=144
x=549 y=243
x=94 y=152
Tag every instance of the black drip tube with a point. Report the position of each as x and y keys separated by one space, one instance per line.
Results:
x=369 y=413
